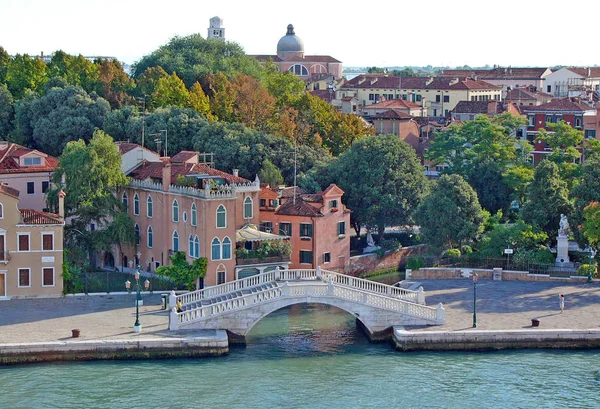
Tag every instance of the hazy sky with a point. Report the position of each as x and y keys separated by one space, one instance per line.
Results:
x=359 y=33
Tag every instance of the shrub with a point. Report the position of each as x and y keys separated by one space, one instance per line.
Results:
x=415 y=262
x=452 y=253
x=586 y=269
x=466 y=249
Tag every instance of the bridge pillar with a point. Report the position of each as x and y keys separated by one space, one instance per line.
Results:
x=173 y=320
x=440 y=314
x=172 y=299
x=421 y=296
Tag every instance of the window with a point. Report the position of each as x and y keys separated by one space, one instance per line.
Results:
x=226 y=249
x=306 y=230
x=266 y=227
x=333 y=204
x=149 y=207
x=263 y=202
x=578 y=121
x=306 y=257
x=175 y=241
x=1 y=211
x=197 y=247
x=549 y=119
x=298 y=69
x=124 y=200
x=184 y=216
x=341 y=228
x=248 y=207
x=45 y=186
x=590 y=133
x=371 y=97
x=137 y=234
x=150 y=237
x=24 y=242
x=326 y=258
x=47 y=241
x=274 y=202
x=221 y=275
x=194 y=214
x=48 y=277
x=32 y=161
x=136 y=205
x=30 y=188
x=437 y=98
x=405 y=96
x=531 y=121
x=191 y=247
x=175 y=211
x=285 y=229
x=24 y=277
x=216 y=249
x=221 y=217
x=549 y=89
x=446 y=98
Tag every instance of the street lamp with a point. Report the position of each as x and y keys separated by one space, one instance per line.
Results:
x=475 y=300
x=137 y=327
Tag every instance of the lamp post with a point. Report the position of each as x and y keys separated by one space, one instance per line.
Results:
x=137 y=327
x=475 y=276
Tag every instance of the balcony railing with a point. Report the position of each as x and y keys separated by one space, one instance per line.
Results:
x=256 y=260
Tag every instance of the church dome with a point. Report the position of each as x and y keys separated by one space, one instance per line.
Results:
x=290 y=43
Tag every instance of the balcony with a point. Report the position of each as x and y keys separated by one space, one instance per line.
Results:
x=256 y=260
x=272 y=251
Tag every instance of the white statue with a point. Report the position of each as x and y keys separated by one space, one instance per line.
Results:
x=564 y=225
x=370 y=241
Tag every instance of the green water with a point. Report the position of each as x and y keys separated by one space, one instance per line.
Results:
x=313 y=357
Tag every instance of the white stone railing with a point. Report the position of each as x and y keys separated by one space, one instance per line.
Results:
x=284 y=290
x=218 y=192
x=145 y=184
x=248 y=186
x=302 y=274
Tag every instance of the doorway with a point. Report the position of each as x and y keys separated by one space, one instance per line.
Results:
x=2 y=285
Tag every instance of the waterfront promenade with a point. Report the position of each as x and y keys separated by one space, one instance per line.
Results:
x=500 y=306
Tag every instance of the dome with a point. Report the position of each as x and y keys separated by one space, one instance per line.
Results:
x=290 y=43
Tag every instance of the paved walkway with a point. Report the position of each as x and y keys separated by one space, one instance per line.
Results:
x=500 y=305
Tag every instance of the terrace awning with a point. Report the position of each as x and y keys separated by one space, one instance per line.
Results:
x=251 y=233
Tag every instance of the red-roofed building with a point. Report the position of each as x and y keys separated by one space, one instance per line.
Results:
x=31 y=249
x=579 y=116
x=580 y=82
x=438 y=95
x=527 y=97
x=399 y=105
x=28 y=171
x=317 y=225
x=183 y=203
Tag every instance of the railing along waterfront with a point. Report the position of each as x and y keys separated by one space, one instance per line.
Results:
x=302 y=274
x=331 y=289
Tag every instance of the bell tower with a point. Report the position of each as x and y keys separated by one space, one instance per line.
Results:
x=215 y=29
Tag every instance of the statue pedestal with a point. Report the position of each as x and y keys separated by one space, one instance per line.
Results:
x=562 y=251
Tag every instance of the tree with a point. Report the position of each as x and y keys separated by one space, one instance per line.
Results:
x=286 y=87
x=347 y=129
x=182 y=273
x=493 y=193
x=590 y=225
x=25 y=73
x=450 y=215
x=120 y=231
x=170 y=91
x=584 y=192
x=518 y=236
x=75 y=70
x=146 y=82
x=198 y=101
x=270 y=175
x=193 y=57
x=376 y=70
x=4 y=63
x=383 y=181
x=547 y=199
x=49 y=122
x=253 y=105
x=113 y=83
x=564 y=140
x=405 y=72
x=7 y=111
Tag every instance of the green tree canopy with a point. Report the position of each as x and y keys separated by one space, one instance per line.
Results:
x=493 y=193
x=49 y=122
x=518 y=236
x=170 y=90
x=585 y=192
x=270 y=174
x=382 y=179
x=7 y=112
x=182 y=273
x=25 y=73
x=193 y=57
x=547 y=199
x=451 y=214
x=590 y=225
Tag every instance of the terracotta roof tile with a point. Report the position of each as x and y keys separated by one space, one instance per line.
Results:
x=394 y=104
x=300 y=208
x=392 y=114
x=312 y=197
x=125 y=147
x=384 y=81
x=563 y=104
x=36 y=217
x=289 y=191
x=9 y=191
x=499 y=73
x=594 y=72
x=10 y=154
x=153 y=170
x=183 y=156
x=525 y=94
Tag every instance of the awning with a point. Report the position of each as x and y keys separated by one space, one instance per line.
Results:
x=251 y=233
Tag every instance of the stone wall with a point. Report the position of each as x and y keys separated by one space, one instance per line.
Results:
x=373 y=262
x=439 y=273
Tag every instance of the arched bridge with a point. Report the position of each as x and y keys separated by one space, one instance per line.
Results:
x=238 y=305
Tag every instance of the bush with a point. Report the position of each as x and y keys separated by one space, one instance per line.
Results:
x=466 y=249
x=586 y=269
x=415 y=262
x=452 y=253
x=580 y=256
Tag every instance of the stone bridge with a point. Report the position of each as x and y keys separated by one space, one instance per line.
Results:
x=238 y=305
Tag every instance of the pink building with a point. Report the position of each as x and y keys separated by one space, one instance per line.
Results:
x=185 y=204
x=28 y=171
x=317 y=225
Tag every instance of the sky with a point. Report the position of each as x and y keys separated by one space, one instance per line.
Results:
x=358 y=33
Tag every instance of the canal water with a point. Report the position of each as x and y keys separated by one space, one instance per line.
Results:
x=313 y=356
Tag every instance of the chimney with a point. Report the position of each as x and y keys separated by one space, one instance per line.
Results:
x=166 y=176
x=589 y=72
x=491 y=109
x=61 y=203
x=453 y=81
x=236 y=172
